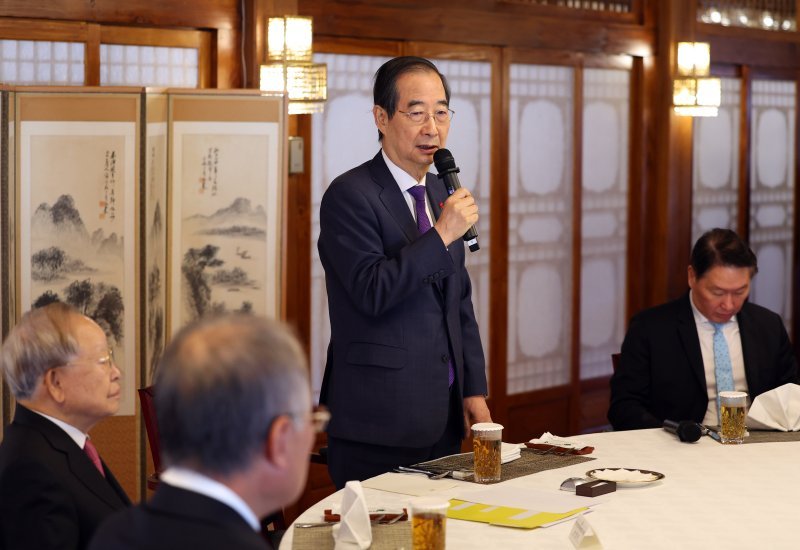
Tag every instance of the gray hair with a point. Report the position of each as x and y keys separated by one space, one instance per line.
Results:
x=43 y=339
x=220 y=384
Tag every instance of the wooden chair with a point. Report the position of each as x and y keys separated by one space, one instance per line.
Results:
x=151 y=427
x=320 y=456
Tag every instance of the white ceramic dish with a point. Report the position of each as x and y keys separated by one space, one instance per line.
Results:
x=626 y=477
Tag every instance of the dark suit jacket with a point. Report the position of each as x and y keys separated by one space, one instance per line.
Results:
x=51 y=494
x=661 y=374
x=400 y=306
x=175 y=518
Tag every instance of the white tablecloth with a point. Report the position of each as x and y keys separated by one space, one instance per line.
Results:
x=713 y=496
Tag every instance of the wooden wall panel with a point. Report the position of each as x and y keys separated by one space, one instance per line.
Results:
x=477 y=22
x=530 y=415
x=216 y=14
x=84 y=20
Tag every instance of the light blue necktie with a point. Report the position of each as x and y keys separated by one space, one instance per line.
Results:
x=723 y=371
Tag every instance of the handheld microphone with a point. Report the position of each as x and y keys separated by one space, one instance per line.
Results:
x=686 y=430
x=448 y=173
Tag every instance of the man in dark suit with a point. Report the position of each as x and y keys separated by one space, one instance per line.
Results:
x=405 y=372
x=678 y=356
x=54 y=489
x=234 y=416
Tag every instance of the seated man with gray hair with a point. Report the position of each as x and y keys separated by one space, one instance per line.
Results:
x=234 y=414
x=54 y=489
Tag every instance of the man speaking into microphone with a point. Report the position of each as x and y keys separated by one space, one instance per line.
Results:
x=405 y=373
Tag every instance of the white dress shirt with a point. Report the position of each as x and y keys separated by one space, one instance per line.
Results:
x=74 y=433
x=405 y=181
x=705 y=332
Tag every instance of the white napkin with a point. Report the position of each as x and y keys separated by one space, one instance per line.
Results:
x=354 y=530
x=509 y=452
x=777 y=409
x=550 y=439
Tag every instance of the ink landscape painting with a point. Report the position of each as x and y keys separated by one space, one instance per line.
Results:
x=228 y=230
x=78 y=189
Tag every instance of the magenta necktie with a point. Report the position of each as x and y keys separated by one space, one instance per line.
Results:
x=94 y=456
x=423 y=225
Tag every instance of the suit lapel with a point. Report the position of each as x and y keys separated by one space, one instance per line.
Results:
x=392 y=198
x=749 y=348
x=106 y=489
x=687 y=331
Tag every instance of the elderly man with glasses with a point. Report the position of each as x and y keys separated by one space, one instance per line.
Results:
x=234 y=415
x=405 y=373
x=54 y=489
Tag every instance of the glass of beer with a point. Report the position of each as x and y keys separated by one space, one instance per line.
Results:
x=486 y=446
x=428 y=522
x=732 y=413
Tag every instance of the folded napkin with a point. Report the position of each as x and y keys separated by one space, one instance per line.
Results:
x=777 y=409
x=509 y=452
x=354 y=529
x=549 y=441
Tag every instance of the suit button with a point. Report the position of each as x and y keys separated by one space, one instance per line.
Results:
x=426 y=280
x=445 y=358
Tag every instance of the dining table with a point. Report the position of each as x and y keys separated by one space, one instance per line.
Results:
x=711 y=496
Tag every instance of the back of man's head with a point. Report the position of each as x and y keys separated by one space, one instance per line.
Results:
x=43 y=339
x=220 y=384
x=721 y=247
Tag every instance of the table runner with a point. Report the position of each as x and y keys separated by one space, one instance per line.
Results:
x=384 y=537
x=529 y=462
x=768 y=436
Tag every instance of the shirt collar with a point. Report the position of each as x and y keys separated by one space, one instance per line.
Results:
x=74 y=433
x=190 y=480
x=404 y=180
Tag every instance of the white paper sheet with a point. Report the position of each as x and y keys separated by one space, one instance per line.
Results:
x=410 y=484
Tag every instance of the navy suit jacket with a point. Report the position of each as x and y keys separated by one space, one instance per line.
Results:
x=177 y=518
x=51 y=494
x=400 y=307
x=661 y=374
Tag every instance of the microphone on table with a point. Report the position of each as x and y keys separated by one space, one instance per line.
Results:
x=686 y=430
x=448 y=173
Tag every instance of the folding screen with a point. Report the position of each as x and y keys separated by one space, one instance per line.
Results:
x=153 y=234
x=6 y=176
x=76 y=188
x=227 y=166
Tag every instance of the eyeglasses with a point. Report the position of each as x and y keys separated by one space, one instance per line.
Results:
x=107 y=361
x=440 y=116
x=320 y=416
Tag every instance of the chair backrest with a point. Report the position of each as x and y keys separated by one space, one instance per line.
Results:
x=615 y=360
x=151 y=425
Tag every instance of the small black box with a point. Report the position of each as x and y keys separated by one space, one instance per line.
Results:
x=595 y=488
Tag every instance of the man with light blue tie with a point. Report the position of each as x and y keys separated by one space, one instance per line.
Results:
x=678 y=356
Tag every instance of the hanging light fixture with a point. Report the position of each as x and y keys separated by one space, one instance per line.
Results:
x=289 y=66
x=694 y=92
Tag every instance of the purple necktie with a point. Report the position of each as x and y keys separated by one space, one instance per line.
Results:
x=423 y=225
x=94 y=456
